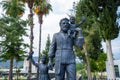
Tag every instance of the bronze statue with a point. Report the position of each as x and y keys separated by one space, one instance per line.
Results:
x=42 y=67
x=72 y=32
x=61 y=49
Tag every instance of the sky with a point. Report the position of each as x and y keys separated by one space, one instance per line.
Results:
x=61 y=9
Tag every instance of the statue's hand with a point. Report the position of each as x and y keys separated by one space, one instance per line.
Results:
x=30 y=55
x=50 y=65
x=83 y=19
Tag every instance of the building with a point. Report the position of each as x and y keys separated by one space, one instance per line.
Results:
x=26 y=67
x=116 y=67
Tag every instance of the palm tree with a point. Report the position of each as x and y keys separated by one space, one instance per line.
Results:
x=42 y=7
x=13 y=8
x=30 y=16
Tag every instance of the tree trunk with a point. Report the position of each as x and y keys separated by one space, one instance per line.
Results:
x=110 y=60
x=101 y=75
x=87 y=63
x=40 y=33
x=40 y=22
x=10 y=70
x=31 y=42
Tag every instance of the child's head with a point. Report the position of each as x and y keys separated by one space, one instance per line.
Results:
x=72 y=20
x=43 y=59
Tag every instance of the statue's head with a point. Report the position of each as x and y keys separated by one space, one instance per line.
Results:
x=64 y=24
x=43 y=59
x=72 y=20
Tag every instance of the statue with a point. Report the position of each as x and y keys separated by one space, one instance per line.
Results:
x=61 y=49
x=73 y=27
x=42 y=67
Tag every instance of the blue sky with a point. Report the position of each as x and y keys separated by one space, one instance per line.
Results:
x=51 y=25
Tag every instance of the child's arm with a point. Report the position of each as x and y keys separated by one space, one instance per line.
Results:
x=34 y=63
x=31 y=59
x=83 y=20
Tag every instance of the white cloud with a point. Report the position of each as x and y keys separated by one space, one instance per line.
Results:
x=50 y=26
x=51 y=22
x=62 y=6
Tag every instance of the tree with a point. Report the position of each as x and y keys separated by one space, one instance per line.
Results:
x=46 y=50
x=105 y=15
x=30 y=17
x=101 y=66
x=92 y=46
x=48 y=42
x=42 y=7
x=13 y=46
x=14 y=10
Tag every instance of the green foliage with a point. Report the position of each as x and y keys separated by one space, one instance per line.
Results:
x=12 y=43
x=105 y=13
x=99 y=65
x=93 y=65
x=46 y=50
x=100 y=23
x=44 y=7
x=91 y=33
x=13 y=8
x=12 y=31
x=80 y=68
x=101 y=62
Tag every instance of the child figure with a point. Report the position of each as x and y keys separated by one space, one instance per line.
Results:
x=73 y=27
x=42 y=67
